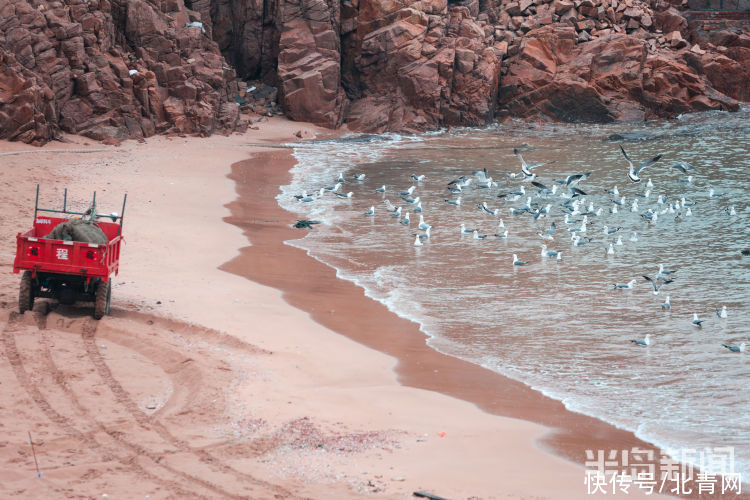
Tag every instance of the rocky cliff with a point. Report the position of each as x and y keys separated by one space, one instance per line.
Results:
x=132 y=68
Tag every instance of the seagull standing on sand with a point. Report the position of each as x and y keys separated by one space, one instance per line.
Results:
x=417 y=242
x=405 y=220
x=456 y=202
x=381 y=189
x=633 y=172
x=371 y=211
x=645 y=342
x=666 y=305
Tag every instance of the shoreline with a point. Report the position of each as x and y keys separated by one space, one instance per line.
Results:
x=268 y=261
x=264 y=374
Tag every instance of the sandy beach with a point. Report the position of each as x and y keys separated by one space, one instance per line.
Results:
x=223 y=372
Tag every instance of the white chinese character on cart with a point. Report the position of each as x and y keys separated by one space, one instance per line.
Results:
x=62 y=254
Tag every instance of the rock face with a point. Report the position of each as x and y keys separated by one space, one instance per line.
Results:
x=110 y=69
x=132 y=68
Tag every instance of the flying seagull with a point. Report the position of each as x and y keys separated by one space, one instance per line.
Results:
x=633 y=173
x=526 y=169
x=657 y=286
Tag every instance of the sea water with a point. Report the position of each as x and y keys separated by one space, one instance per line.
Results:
x=561 y=327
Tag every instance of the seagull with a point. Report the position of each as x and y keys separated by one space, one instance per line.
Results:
x=491 y=211
x=502 y=235
x=645 y=342
x=666 y=305
x=422 y=224
x=486 y=184
x=408 y=192
x=517 y=262
x=723 y=313
x=578 y=241
x=657 y=286
x=649 y=183
x=310 y=198
x=730 y=210
x=559 y=256
x=697 y=322
x=545 y=236
x=689 y=179
x=359 y=177
x=418 y=208
x=341 y=178
x=478 y=236
x=572 y=180
x=619 y=241
x=664 y=272
x=456 y=202
x=417 y=241
x=370 y=212
x=455 y=189
x=633 y=173
x=389 y=206
x=713 y=194
x=734 y=348
x=633 y=237
x=526 y=169
x=410 y=200
x=333 y=188
x=418 y=178
x=467 y=231
x=611 y=231
x=611 y=249
x=381 y=189
x=548 y=253
x=405 y=220
x=500 y=224
x=630 y=284
x=426 y=233
x=681 y=166
x=347 y=195
x=396 y=213
x=458 y=181
x=614 y=191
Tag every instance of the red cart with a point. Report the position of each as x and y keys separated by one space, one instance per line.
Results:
x=68 y=271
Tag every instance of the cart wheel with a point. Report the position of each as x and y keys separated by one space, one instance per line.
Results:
x=103 y=292
x=26 y=293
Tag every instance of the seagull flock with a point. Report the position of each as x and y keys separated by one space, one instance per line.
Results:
x=566 y=198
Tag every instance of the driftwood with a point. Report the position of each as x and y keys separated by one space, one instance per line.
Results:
x=424 y=494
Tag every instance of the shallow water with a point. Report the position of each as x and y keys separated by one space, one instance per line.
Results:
x=561 y=328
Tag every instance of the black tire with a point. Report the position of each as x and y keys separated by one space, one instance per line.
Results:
x=103 y=293
x=26 y=293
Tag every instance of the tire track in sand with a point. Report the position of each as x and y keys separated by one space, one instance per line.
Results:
x=132 y=450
